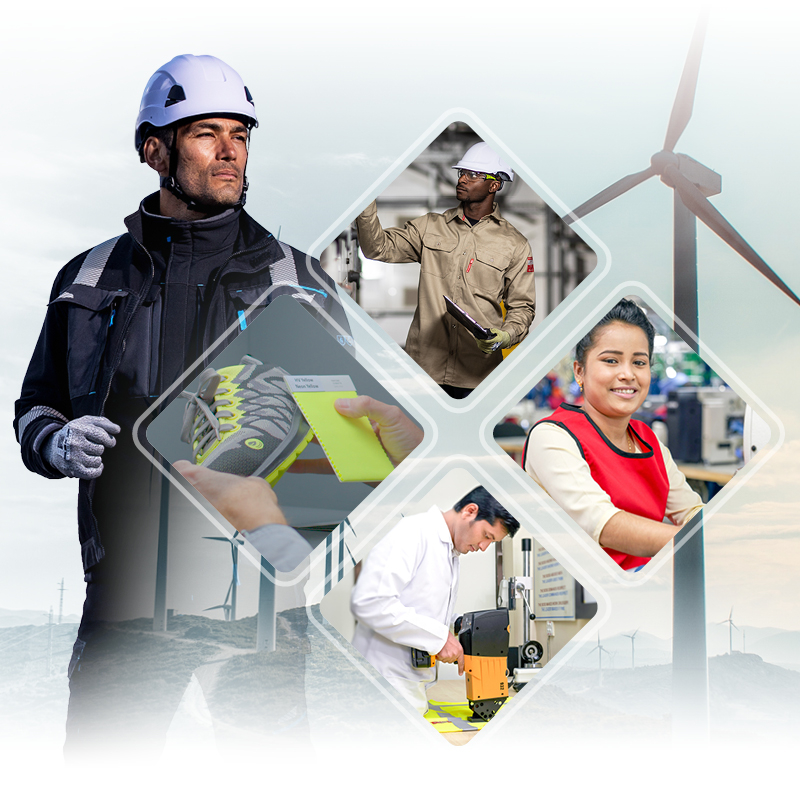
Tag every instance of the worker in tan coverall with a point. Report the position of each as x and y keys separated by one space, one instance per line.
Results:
x=476 y=258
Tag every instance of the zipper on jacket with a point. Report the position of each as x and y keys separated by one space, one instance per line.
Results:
x=137 y=306
x=90 y=499
x=211 y=286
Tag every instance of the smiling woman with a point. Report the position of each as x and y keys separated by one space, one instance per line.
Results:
x=607 y=471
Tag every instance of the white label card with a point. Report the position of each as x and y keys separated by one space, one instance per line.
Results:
x=319 y=383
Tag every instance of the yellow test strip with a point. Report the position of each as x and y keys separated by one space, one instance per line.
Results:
x=351 y=445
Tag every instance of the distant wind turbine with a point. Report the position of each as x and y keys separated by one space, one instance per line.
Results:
x=731 y=626
x=600 y=650
x=632 y=637
x=229 y=608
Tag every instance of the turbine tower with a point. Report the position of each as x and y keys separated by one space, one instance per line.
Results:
x=693 y=183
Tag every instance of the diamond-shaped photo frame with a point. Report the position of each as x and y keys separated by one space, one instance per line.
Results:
x=712 y=431
x=261 y=401
x=509 y=596
x=440 y=283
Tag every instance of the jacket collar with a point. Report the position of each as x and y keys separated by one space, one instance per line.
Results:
x=249 y=237
x=451 y=213
x=442 y=530
x=148 y=217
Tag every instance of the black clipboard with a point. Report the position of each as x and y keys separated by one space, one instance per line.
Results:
x=478 y=331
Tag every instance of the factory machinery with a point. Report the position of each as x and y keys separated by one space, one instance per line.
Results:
x=484 y=637
x=491 y=665
x=523 y=660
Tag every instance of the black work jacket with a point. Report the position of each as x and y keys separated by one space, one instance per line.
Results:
x=86 y=332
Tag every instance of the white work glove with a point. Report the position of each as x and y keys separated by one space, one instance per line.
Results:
x=76 y=450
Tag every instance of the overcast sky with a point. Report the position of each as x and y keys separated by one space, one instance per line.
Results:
x=575 y=100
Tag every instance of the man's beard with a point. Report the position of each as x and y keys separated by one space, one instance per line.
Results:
x=204 y=195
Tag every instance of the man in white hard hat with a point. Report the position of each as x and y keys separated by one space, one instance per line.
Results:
x=124 y=322
x=406 y=591
x=471 y=255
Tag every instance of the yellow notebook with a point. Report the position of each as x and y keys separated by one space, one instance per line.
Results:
x=351 y=445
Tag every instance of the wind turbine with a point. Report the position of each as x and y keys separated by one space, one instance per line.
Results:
x=692 y=183
x=229 y=608
x=729 y=622
x=632 y=637
x=600 y=650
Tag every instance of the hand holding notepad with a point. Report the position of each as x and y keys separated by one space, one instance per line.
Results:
x=353 y=449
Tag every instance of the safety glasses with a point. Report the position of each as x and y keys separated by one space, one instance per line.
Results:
x=470 y=175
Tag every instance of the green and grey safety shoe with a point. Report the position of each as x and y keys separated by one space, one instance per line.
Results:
x=243 y=420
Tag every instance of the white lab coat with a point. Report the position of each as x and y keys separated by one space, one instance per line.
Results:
x=405 y=597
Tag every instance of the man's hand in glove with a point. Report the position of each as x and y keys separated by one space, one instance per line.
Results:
x=499 y=341
x=76 y=450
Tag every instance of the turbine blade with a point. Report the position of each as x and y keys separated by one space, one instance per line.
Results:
x=699 y=205
x=684 y=99
x=608 y=194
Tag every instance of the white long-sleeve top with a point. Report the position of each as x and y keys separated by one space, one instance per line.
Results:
x=405 y=595
x=555 y=463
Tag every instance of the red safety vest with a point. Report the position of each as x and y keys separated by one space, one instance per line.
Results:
x=635 y=482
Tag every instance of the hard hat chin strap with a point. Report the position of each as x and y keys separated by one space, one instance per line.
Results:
x=170 y=183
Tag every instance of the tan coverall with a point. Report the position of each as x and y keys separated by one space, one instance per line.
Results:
x=475 y=266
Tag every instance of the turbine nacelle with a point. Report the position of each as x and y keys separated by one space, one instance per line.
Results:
x=705 y=179
x=661 y=160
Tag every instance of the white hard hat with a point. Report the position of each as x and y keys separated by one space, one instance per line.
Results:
x=186 y=87
x=481 y=158
x=193 y=86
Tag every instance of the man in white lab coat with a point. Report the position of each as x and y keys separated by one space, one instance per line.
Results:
x=405 y=596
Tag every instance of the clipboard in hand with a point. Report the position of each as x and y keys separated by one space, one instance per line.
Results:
x=478 y=331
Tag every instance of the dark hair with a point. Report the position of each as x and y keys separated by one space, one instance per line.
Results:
x=164 y=135
x=488 y=509
x=625 y=311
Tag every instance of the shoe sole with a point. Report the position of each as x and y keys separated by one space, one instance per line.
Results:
x=300 y=434
x=278 y=473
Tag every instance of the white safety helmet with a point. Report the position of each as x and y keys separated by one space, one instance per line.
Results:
x=481 y=158
x=193 y=86
x=186 y=87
